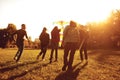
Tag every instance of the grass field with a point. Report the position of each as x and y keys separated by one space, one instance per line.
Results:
x=102 y=65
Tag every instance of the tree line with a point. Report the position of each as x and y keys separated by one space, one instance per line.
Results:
x=104 y=34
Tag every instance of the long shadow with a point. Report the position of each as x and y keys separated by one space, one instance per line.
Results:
x=6 y=63
x=71 y=75
x=92 y=52
x=25 y=72
x=16 y=65
x=76 y=72
x=103 y=54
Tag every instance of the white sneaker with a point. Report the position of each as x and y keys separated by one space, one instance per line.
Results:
x=15 y=58
x=43 y=59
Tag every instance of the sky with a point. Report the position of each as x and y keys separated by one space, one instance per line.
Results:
x=37 y=14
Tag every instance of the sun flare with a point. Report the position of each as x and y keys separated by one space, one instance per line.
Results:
x=37 y=14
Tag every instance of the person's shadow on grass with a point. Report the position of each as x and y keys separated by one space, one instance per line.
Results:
x=71 y=75
x=27 y=71
x=9 y=67
x=23 y=73
x=2 y=64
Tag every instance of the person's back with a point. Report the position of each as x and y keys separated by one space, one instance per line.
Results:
x=44 y=42
x=44 y=38
x=20 y=41
x=70 y=41
x=55 y=38
x=4 y=37
x=84 y=35
x=71 y=33
x=83 y=43
x=20 y=35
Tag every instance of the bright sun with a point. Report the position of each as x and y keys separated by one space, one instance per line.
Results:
x=37 y=14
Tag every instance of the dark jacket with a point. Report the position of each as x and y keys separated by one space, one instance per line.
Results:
x=20 y=35
x=55 y=36
x=44 y=38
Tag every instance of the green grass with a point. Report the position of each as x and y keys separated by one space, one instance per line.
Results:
x=29 y=68
x=103 y=65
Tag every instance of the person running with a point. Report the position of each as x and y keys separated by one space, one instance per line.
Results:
x=55 y=38
x=44 y=42
x=20 y=41
x=70 y=43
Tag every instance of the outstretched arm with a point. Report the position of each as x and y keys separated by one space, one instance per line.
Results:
x=27 y=38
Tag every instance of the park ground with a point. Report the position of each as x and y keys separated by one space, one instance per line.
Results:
x=102 y=65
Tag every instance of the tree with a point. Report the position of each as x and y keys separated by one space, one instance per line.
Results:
x=114 y=23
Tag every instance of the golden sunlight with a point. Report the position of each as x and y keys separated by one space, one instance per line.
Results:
x=37 y=14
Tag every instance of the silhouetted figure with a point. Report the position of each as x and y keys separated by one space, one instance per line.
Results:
x=55 y=38
x=44 y=42
x=70 y=40
x=4 y=37
x=20 y=41
x=83 y=43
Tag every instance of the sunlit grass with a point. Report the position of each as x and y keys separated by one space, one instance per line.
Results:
x=38 y=70
x=102 y=65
